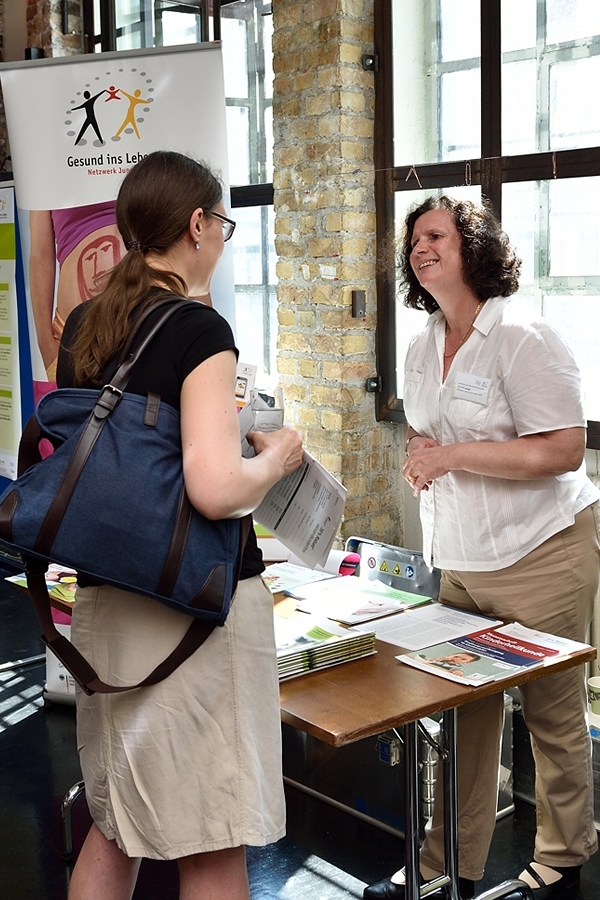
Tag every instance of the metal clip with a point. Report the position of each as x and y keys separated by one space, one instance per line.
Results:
x=110 y=397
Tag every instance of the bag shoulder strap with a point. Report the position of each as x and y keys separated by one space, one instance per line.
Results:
x=29 y=452
x=123 y=373
x=81 y=670
x=35 y=568
x=77 y=664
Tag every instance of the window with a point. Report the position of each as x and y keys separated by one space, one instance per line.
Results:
x=132 y=24
x=245 y=29
x=491 y=98
x=246 y=33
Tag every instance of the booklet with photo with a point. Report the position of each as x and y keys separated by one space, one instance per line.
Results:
x=491 y=655
x=351 y=600
x=245 y=376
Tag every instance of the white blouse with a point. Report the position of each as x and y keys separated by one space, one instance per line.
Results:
x=511 y=378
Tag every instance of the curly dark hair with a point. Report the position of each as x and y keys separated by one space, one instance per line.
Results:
x=490 y=265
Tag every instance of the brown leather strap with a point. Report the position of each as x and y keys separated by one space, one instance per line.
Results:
x=78 y=666
x=168 y=576
x=107 y=401
x=35 y=569
x=29 y=445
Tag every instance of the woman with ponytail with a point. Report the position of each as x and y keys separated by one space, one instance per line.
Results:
x=190 y=768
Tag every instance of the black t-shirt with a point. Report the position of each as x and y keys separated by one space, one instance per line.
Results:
x=192 y=334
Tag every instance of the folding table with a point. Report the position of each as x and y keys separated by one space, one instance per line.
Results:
x=365 y=697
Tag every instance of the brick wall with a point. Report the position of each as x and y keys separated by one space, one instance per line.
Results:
x=325 y=240
x=45 y=24
x=44 y=30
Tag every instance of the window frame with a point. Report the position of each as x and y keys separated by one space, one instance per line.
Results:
x=490 y=172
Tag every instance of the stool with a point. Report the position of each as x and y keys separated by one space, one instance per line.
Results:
x=66 y=828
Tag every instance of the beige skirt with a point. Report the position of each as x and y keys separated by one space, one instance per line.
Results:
x=192 y=764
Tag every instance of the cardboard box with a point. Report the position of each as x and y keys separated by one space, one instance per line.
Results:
x=60 y=684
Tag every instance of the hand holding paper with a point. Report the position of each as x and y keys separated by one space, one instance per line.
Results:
x=283 y=441
x=304 y=509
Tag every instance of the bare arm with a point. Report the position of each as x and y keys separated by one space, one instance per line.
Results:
x=42 y=276
x=221 y=484
x=531 y=457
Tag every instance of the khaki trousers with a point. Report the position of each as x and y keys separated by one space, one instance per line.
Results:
x=551 y=589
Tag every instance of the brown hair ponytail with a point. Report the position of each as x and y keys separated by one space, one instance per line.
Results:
x=154 y=205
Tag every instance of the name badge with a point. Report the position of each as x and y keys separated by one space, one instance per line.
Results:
x=472 y=387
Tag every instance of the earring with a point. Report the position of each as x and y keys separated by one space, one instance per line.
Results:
x=197 y=246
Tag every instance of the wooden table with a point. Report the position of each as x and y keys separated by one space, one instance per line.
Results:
x=363 y=698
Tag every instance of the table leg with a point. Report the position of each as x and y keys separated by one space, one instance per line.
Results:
x=450 y=801
x=411 y=799
x=449 y=880
x=508 y=890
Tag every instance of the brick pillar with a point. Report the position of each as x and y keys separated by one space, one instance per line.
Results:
x=45 y=27
x=325 y=240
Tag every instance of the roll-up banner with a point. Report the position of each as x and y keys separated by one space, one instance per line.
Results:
x=76 y=126
x=10 y=385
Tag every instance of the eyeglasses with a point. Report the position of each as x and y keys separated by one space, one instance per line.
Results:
x=228 y=225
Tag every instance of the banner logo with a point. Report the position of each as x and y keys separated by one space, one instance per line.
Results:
x=110 y=110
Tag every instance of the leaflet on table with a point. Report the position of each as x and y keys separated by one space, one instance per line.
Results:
x=427 y=625
x=304 y=509
x=491 y=655
x=351 y=600
x=61 y=582
x=285 y=576
x=298 y=632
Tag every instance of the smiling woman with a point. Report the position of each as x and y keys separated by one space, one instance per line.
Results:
x=490 y=266
x=435 y=239
x=504 y=501
x=455 y=257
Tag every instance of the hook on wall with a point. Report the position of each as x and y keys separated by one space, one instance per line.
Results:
x=413 y=171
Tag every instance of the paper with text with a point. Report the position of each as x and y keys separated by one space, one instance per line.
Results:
x=304 y=509
x=427 y=625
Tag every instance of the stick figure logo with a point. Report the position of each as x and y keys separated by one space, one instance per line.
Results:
x=91 y=119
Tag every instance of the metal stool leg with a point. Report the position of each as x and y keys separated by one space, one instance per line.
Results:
x=508 y=890
x=66 y=808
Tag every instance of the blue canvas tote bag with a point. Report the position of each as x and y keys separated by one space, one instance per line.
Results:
x=110 y=502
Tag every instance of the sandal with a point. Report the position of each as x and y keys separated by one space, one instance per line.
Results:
x=386 y=889
x=556 y=890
